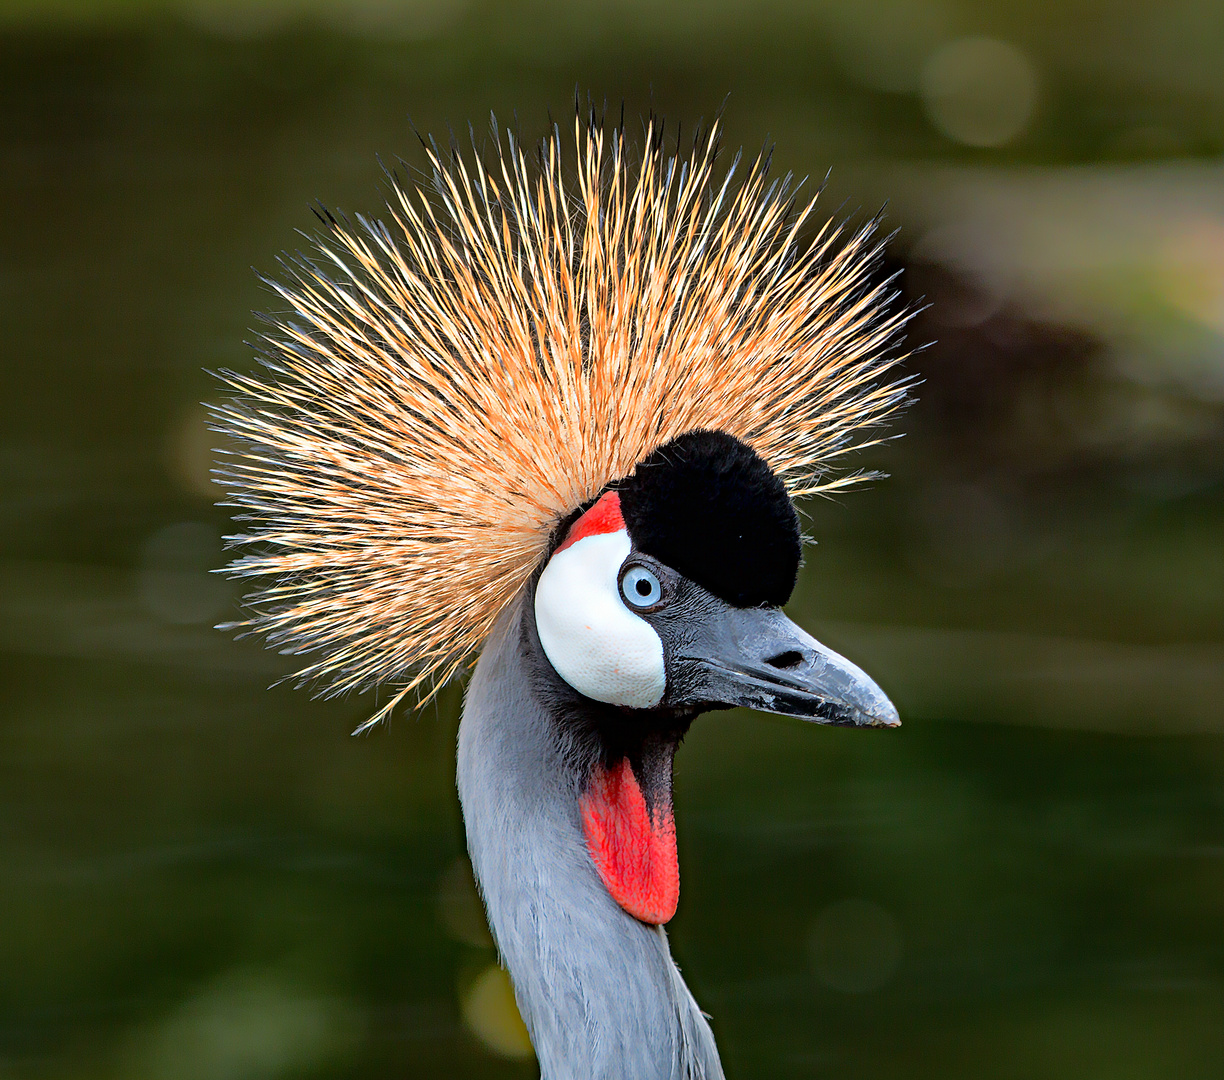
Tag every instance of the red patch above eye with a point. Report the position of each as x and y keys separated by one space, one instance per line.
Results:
x=603 y=517
x=633 y=849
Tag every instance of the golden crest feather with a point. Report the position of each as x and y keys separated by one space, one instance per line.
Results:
x=440 y=395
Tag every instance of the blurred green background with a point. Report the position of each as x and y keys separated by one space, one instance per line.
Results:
x=202 y=878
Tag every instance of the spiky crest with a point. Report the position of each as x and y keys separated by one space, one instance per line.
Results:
x=437 y=398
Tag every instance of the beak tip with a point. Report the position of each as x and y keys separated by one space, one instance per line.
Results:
x=887 y=717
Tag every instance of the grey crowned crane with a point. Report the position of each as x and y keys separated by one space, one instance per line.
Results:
x=554 y=416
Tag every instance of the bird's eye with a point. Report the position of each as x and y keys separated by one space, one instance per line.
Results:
x=640 y=588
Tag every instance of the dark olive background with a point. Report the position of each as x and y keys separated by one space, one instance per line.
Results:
x=202 y=877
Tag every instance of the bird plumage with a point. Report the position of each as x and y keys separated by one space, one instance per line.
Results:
x=559 y=411
x=439 y=393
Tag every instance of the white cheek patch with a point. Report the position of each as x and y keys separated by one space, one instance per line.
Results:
x=593 y=641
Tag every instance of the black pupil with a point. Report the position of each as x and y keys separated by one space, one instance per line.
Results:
x=643 y=587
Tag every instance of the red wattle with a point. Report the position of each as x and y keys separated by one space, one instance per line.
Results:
x=603 y=517
x=633 y=850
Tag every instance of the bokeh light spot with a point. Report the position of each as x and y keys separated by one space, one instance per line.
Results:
x=188 y=455
x=979 y=91
x=248 y=1024
x=490 y=1012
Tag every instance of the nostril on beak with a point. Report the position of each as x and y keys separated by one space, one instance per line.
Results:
x=789 y=659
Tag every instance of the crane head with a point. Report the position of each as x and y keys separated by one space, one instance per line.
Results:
x=667 y=593
x=664 y=598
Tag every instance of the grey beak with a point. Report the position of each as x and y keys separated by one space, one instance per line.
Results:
x=757 y=657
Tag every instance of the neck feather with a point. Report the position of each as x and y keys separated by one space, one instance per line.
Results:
x=598 y=989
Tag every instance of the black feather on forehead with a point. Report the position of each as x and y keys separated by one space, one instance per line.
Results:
x=707 y=505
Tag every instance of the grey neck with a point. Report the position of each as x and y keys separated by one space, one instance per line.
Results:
x=598 y=989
